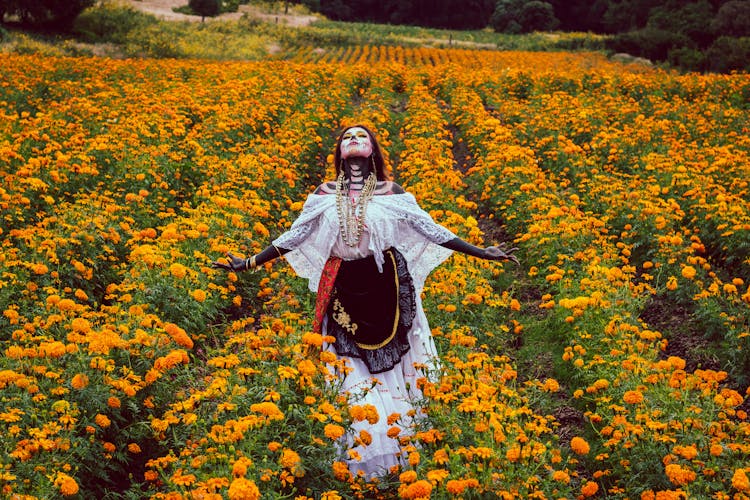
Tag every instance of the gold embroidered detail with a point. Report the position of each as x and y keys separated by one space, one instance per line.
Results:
x=341 y=317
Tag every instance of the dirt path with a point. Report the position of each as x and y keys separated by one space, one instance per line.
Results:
x=163 y=10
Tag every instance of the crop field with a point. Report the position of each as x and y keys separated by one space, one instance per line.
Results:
x=614 y=362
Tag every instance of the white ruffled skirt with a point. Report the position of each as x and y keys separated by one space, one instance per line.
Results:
x=391 y=392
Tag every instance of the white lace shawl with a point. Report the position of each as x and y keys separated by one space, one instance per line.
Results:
x=392 y=220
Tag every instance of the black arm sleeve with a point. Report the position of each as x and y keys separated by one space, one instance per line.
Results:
x=462 y=246
x=269 y=253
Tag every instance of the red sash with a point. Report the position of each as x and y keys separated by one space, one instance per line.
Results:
x=325 y=289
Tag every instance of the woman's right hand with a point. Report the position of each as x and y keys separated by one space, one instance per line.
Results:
x=233 y=263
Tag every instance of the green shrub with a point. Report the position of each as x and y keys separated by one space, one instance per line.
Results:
x=651 y=43
x=205 y=8
x=46 y=13
x=110 y=23
x=729 y=54
x=687 y=59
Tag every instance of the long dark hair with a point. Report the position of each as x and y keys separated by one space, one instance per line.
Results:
x=377 y=155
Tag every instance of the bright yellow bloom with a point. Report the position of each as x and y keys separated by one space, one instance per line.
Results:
x=178 y=270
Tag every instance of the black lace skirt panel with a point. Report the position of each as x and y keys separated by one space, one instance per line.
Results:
x=370 y=313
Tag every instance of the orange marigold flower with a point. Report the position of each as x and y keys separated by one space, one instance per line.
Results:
x=633 y=397
x=274 y=446
x=740 y=481
x=341 y=471
x=306 y=367
x=679 y=475
x=417 y=490
x=243 y=489
x=579 y=446
x=589 y=489
x=79 y=381
x=178 y=270
x=688 y=272
x=441 y=457
x=268 y=409
x=102 y=421
x=437 y=475
x=80 y=325
x=671 y=283
x=393 y=432
x=66 y=484
x=561 y=476
x=551 y=385
x=239 y=468
x=114 y=402
x=39 y=269
x=408 y=477
x=686 y=452
x=333 y=431
x=365 y=437
x=371 y=413
x=313 y=339
x=513 y=454
x=290 y=460
x=455 y=486
x=199 y=295
x=134 y=448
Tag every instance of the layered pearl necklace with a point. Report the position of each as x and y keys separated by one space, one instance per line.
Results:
x=352 y=213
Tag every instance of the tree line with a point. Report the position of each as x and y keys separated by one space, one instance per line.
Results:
x=696 y=35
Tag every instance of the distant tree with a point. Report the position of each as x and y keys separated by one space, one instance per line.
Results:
x=733 y=19
x=505 y=17
x=627 y=15
x=689 y=20
x=205 y=8
x=521 y=16
x=574 y=14
x=729 y=54
x=58 y=14
x=538 y=16
x=453 y=14
x=338 y=10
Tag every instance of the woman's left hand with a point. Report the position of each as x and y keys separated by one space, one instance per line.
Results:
x=500 y=252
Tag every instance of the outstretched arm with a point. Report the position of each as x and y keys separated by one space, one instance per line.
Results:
x=235 y=263
x=499 y=252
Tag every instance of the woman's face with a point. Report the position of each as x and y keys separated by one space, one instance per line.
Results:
x=355 y=142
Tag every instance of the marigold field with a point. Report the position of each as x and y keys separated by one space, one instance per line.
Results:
x=613 y=363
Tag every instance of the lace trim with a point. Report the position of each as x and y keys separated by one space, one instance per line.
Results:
x=392 y=220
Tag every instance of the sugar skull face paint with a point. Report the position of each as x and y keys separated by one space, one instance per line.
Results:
x=356 y=142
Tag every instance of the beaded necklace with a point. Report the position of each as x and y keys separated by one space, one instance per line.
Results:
x=352 y=215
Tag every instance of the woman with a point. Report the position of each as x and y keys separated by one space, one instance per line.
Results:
x=366 y=248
